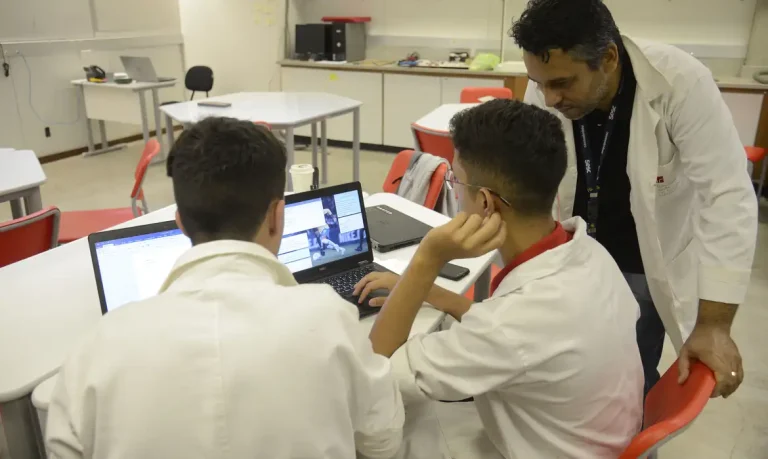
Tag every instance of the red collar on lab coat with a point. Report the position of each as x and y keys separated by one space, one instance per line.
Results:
x=558 y=236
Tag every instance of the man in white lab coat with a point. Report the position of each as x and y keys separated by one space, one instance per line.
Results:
x=232 y=359
x=551 y=358
x=656 y=168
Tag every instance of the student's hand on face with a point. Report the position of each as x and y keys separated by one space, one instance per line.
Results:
x=466 y=236
x=375 y=281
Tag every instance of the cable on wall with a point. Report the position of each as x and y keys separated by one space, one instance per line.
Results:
x=32 y=105
x=6 y=65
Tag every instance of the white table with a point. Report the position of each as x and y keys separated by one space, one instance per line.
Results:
x=439 y=119
x=281 y=110
x=121 y=103
x=20 y=178
x=39 y=326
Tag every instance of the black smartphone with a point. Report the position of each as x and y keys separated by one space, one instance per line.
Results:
x=453 y=272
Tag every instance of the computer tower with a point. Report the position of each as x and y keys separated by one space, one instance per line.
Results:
x=347 y=41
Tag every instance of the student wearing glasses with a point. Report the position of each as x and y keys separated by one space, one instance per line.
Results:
x=551 y=358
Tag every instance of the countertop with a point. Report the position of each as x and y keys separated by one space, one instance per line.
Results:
x=371 y=65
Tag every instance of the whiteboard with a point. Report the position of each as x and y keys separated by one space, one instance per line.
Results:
x=122 y=16
x=22 y=20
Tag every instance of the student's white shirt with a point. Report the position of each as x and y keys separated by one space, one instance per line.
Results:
x=551 y=358
x=232 y=359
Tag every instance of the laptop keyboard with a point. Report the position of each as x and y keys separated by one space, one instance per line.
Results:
x=345 y=282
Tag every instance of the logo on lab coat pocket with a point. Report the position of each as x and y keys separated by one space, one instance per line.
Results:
x=660 y=179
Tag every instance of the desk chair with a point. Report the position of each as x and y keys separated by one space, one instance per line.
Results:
x=29 y=235
x=397 y=171
x=198 y=78
x=755 y=155
x=670 y=408
x=472 y=95
x=80 y=223
x=438 y=143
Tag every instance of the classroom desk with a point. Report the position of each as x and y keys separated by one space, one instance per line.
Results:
x=281 y=110
x=40 y=325
x=439 y=119
x=119 y=103
x=20 y=178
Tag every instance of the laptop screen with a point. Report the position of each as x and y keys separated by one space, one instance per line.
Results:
x=321 y=230
x=133 y=268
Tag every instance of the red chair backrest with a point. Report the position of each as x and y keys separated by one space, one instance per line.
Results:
x=755 y=154
x=263 y=123
x=436 y=143
x=671 y=407
x=398 y=169
x=473 y=95
x=151 y=149
x=29 y=235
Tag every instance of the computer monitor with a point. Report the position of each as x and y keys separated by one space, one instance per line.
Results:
x=323 y=227
x=131 y=264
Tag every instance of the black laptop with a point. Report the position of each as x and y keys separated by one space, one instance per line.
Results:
x=131 y=264
x=392 y=230
x=326 y=240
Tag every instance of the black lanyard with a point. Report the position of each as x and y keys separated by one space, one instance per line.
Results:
x=593 y=165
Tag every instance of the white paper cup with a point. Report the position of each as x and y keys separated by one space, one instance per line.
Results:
x=301 y=175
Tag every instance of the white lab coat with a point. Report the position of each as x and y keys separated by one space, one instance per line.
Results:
x=551 y=358
x=692 y=199
x=231 y=360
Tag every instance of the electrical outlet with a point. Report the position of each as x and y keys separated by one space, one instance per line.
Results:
x=47 y=131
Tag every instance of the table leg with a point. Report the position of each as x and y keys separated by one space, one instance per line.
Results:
x=144 y=120
x=158 y=125
x=17 y=209
x=356 y=145
x=483 y=286
x=103 y=134
x=22 y=429
x=104 y=148
x=762 y=179
x=33 y=201
x=324 y=150
x=289 y=151
x=314 y=144
x=169 y=132
x=88 y=127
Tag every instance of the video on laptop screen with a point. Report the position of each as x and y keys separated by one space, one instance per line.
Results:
x=134 y=268
x=322 y=230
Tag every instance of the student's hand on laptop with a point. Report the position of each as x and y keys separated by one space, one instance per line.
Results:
x=466 y=236
x=375 y=281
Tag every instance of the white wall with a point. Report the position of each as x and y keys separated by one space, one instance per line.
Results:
x=241 y=40
x=722 y=26
x=59 y=37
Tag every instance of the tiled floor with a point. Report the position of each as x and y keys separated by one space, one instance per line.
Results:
x=734 y=428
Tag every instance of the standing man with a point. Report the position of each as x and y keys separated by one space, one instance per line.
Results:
x=656 y=168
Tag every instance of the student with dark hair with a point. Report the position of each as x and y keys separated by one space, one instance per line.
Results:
x=659 y=174
x=231 y=358
x=551 y=358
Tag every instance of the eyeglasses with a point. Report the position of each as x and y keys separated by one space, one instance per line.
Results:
x=452 y=181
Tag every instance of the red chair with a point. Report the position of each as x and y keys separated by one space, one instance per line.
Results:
x=755 y=155
x=473 y=95
x=438 y=143
x=29 y=235
x=670 y=408
x=80 y=223
x=397 y=171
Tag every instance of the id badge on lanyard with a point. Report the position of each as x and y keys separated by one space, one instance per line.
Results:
x=592 y=164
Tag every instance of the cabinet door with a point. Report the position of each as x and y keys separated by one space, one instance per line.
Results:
x=452 y=86
x=406 y=99
x=363 y=86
